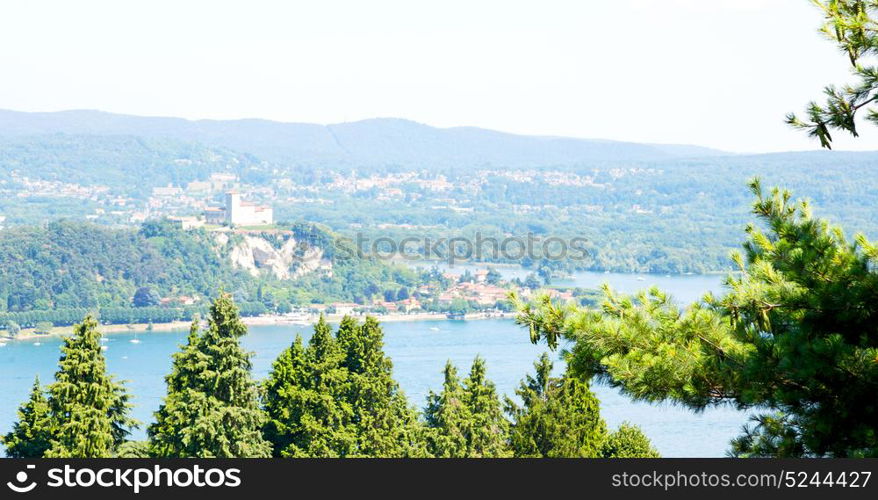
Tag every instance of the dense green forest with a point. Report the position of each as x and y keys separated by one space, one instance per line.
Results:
x=59 y=272
x=71 y=264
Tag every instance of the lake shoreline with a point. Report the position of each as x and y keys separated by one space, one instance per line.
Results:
x=265 y=320
x=627 y=283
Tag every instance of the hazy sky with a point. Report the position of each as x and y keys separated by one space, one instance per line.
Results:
x=718 y=73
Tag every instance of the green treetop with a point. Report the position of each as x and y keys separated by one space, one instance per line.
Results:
x=307 y=416
x=337 y=397
x=286 y=391
x=796 y=335
x=31 y=435
x=628 y=441
x=560 y=417
x=447 y=416
x=851 y=25
x=466 y=419
x=384 y=423
x=88 y=409
x=211 y=408
x=489 y=429
x=86 y=412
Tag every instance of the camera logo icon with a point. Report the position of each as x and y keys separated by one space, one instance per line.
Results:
x=21 y=478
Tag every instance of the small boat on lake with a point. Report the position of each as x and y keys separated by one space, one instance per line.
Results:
x=298 y=318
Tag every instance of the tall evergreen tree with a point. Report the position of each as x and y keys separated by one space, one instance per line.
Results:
x=489 y=430
x=385 y=424
x=560 y=417
x=466 y=419
x=164 y=436
x=88 y=409
x=211 y=408
x=337 y=397
x=31 y=435
x=285 y=392
x=308 y=415
x=447 y=417
x=328 y=431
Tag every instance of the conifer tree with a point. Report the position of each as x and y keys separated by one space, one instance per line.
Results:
x=211 y=409
x=88 y=409
x=628 y=441
x=560 y=417
x=466 y=419
x=133 y=449
x=31 y=435
x=447 y=417
x=286 y=391
x=337 y=397
x=309 y=417
x=794 y=336
x=165 y=438
x=851 y=25
x=383 y=422
x=489 y=428
x=328 y=431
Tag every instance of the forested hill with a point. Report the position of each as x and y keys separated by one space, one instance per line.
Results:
x=127 y=164
x=76 y=267
x=363 y=143
x=71 y=264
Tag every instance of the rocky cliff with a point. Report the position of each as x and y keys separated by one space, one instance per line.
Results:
x=281 y=256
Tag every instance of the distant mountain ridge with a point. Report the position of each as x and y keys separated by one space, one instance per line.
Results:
x=379 y=141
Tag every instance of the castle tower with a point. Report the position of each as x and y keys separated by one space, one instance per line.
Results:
x=233 y=207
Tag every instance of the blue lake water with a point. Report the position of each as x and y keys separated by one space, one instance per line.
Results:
x=418 y=350
x=683 y=288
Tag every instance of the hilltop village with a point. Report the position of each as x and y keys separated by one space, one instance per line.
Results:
x=205 y=202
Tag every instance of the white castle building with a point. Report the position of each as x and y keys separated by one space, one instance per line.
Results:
x=239 y=213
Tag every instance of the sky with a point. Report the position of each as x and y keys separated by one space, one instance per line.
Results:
x=717 y=73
